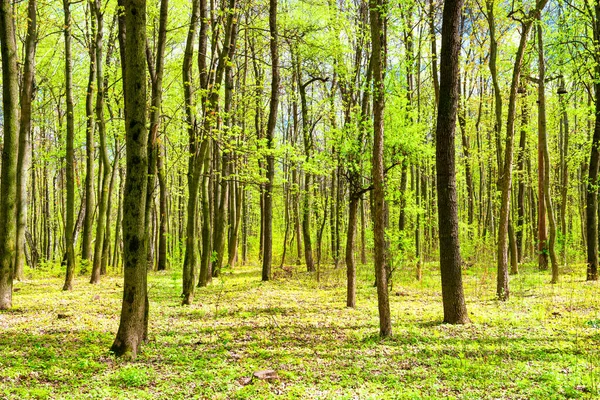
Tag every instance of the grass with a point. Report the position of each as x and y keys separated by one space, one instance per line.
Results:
x=543 y=343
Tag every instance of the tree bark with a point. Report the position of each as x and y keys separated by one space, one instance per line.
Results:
x=101 y=124
x=268 y=200
x=591 y=210
x=70 y=158
x=378 y=38
x=190 y=263
x=134 y=313
x=502 y=288
x=455 y=310
x=546 y=154
x=24 y=161
x=8 y=185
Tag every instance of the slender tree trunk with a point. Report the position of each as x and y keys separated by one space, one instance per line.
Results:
x=522 y=180
x=156 y=167
x=564 y=180
x=70 y=158
x=190 y=263
x=101 y=124
x=502 y=289
x=350 y=264
x=268 y=200
x=378 y=38
x=25 y=134
x=86 y=246
x=107 y=233
x=161 y=263
x=546 y=153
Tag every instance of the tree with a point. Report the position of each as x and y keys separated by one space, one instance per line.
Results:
x=24 y=162
x=591 y=210
x=270 y=136
x=70 y=157
x=378 y=40
x=455 y=310
x=8 y=185
x=133 y=324
x=502 y=289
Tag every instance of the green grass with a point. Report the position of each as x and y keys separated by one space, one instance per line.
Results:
x=542 y=344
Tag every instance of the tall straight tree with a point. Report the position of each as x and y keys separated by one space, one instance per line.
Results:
x=8 y=185
x=25 y=135
x=268 y=193
x=134 y=313
x=156 y=68
x=455 y=310
x=97 y=15
x=88 y=221
x=502 y=289
x=378 y=60
x=591 y=210
x=191 y=253
x=543 y=137
x=70 y=156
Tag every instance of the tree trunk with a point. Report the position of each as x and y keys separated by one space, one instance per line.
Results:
x=70 y=158
x=86 y=245
x=546 y=154
x=591 y=220
x=350 y=264
x=8 y=185
x=268 y=200
x=502 y=289
x=190 y=263
x=134 y=313
x=24 y=160
x=522 y=180
x=455 y=310
x=377 y=22
x=106 y=168
x=156 y=69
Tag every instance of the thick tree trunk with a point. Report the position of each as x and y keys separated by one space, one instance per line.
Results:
x=591 y=210
x=134 y=313
x=8 y=185
x=455 y=310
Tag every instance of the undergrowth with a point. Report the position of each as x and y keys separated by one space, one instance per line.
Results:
x=543 y=343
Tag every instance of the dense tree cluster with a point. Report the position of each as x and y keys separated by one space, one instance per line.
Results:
x=153 y=134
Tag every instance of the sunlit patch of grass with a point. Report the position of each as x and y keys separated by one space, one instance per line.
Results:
x=541 y=344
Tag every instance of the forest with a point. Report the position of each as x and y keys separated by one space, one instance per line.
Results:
x=299 y=199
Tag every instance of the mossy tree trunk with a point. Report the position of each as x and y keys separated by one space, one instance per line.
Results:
x=8 y=185
x=134 y=313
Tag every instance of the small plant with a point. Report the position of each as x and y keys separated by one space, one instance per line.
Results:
x=132 y=376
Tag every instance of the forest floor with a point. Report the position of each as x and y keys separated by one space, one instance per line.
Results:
x=543 y=343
